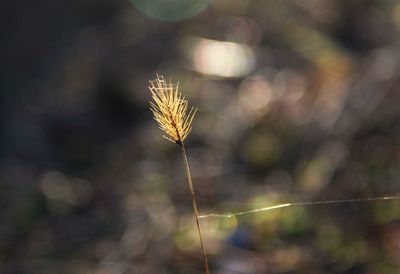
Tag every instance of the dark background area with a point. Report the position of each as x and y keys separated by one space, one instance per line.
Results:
x=298 y=101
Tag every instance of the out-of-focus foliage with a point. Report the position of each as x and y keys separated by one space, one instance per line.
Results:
x=298 y=101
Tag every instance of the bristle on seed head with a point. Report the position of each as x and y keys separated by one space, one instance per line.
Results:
x=170 y=109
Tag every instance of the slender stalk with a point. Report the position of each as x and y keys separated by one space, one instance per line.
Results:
x=171 y=111
x=195 y=211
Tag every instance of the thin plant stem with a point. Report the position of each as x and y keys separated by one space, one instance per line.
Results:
x=171 y=111
x=195 y=211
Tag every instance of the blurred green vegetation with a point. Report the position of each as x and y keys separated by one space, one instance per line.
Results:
x=298 y=102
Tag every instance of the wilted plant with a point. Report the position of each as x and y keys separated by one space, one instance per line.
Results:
x=171 y=111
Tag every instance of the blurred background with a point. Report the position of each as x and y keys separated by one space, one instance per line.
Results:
x=298 y=101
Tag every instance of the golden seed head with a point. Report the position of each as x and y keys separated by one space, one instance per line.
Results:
x=170 y=109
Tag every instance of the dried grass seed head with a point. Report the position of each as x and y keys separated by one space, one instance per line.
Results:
x=170 y=110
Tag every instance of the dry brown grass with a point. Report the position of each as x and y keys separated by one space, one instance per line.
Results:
x=170 y=109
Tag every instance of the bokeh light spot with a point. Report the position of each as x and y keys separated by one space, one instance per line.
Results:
x=223 y=59
x=255 y=93
x=171 y=10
